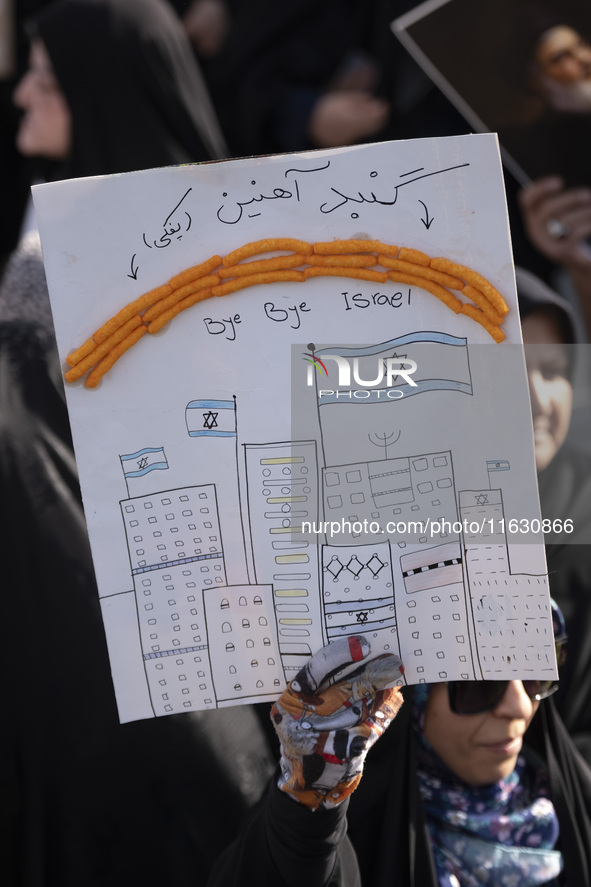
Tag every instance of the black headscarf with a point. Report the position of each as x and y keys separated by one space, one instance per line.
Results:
x=90 y=802
x=136 y=95
x=565 y=493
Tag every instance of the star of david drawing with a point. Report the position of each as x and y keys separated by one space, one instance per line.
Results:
x=210 y=420
x=143 y=462
x=362 y=617
x=482 y=499
x=396 y=356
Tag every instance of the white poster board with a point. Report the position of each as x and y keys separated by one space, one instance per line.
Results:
x=213 y=453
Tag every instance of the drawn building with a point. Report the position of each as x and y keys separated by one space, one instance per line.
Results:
x=358 y=594
x=175 y=551
x=405 y=492
x=434 y=619
x=283 y=491
x=511 y=610
x=241 y=624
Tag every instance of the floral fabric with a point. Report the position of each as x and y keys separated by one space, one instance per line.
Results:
x=500 y=835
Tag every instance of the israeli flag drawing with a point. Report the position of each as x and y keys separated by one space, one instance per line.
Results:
x=500 y=465
x=442 y=365
x=140 y=463
x=211 y=418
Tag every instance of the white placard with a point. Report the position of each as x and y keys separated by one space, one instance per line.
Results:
x=213 y=454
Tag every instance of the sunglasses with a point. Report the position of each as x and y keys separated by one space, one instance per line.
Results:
x=477 y=697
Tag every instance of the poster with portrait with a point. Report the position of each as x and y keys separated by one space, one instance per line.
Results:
x=521 y=68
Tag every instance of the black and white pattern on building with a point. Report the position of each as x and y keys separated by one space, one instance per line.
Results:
x=358 y=594
x=434 y=620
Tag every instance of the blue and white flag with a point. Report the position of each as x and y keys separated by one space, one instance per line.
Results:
x=441 y=364
x=140 y=463
x=211 y=418
x=498 y=465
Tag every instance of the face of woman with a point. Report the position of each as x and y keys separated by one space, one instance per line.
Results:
x=479 y=749
x=46 y=127
x=550 y=389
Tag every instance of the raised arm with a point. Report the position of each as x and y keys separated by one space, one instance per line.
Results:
x=326 y=723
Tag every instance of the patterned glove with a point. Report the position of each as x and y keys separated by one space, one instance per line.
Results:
x=326 y=733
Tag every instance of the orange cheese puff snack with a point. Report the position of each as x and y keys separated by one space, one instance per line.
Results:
x=476 y=279
x=238 y=283
x=415 y=256
x=279 y=263
x=333 y=247
x=171 y=312
x=267 y=246
x=178 y=294
x=135 y=307
x=356 y=261
x=440 y=292
x=480 y=317
x=84 y=349
x=113 y=356
x=194 y=272
x=102 y=350
x=344 y=271
x=480 y=299
x=453 y=283
x=196 y=285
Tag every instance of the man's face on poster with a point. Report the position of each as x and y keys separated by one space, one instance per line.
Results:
x=562 y=70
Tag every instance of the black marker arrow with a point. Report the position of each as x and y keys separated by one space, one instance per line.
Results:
x=134 y=273
x=426 y=221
